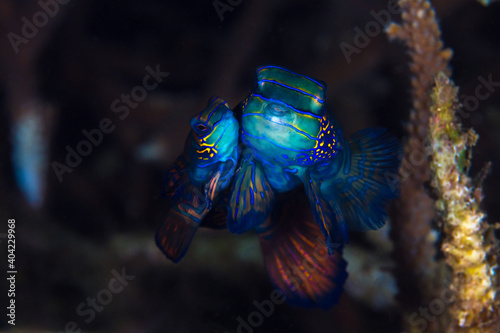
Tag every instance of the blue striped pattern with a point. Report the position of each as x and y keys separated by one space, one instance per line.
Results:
x=273 y=120
x=214 y=133
x=205 y=168
x=252 y=196
x=292 y=88
x=301 y=91
x=271 y=100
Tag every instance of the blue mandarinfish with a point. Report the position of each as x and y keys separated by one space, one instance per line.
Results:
x=198 y=176
x=289 y=143
x=290 y=139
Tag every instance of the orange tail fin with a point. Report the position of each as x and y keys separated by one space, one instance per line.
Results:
x=297 y=259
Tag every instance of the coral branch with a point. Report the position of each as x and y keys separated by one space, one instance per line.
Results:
x=474 y=282
x=421 y=33
x=414 y=245
x=472 y=260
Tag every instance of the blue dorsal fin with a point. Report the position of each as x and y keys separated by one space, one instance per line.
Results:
x=252 y=196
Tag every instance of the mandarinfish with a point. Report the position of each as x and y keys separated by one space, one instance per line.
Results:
x=199 y=174
x=291 y=139
x=290 y=142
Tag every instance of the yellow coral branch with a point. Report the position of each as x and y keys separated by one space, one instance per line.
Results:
x=474 y=282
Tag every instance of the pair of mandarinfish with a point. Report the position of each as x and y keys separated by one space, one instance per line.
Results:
x=250 y=176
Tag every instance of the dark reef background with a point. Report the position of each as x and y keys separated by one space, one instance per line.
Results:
x=103 y=215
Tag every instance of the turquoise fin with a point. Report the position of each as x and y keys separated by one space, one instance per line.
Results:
x=360 y=191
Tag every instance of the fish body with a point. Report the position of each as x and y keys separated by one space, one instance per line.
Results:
x=298 y=183
x=198 y=176
x=285 y=122
x=295 y=140
x=296 y=258
x=291 y=140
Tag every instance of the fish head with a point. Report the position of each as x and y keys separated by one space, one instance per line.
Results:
x=284 y=117
x=214 y=132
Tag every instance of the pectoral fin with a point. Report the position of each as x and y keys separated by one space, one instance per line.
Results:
x=176 y=177
x=252 y=196
x=360 y=191
x=216 y=218
x=175 y=235
x=190 y=205
x=333 y=229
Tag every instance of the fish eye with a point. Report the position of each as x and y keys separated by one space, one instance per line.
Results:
x=276 y=109
x=201 y=128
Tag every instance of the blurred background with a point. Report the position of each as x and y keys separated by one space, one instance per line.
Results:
x=79 y=226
